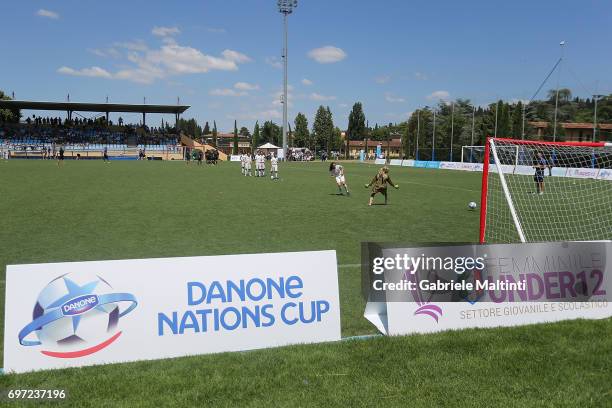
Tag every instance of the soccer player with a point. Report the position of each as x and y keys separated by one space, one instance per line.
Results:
x=379 y=184
x=105 y=155
x=247 y=164
x=538 y=177
x=260 y=165
x=187 y=155
x=243 y=164
x=60 y=157
x=337 y=171
x=274 y=167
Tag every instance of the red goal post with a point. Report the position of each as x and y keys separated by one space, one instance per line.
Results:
x=501 y=153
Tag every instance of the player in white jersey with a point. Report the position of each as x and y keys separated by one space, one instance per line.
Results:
x=337 y=171
x=247 y=164
x=260 y=165
x=242 y=164
x=274 y=167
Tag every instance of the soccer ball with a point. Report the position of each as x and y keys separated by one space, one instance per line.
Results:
x=71 y=333
x=472 y=205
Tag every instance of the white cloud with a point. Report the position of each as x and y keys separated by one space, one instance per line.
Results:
x=327 y=54
x=318 y=97
x=245 y=86
x=382 y=79
x=274 y=62
x=216 y=30
x=235 y=56
x=227 y=92
x=393 y=99
x=95 y=72
x=420 y=76
x=165 y=31
x=438 y=95
x=47 y=14
x=343 y=105
x=306 y=82
x=169 y=59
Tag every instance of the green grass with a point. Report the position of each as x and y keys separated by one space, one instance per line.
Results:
x=92 y=211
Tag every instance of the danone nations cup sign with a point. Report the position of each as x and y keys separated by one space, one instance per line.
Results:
x=82 y=313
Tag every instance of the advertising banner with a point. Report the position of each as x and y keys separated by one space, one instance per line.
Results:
x=235 y=157
x=395 y=162
x=82 y=313
x=433 y=288
x=582 y=173
x=408 y=163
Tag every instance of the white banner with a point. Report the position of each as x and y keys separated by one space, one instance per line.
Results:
x=582 y=173
x=450 y=165
x=408 y=163
x=83 y=313
x=380 y=161
x=544 y=269
x=235 y=157
x=395 y=162
x=605 y=174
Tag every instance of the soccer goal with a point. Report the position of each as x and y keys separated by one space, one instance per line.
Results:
x=546 y=191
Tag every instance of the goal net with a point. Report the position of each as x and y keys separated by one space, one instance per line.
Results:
x=544 y=191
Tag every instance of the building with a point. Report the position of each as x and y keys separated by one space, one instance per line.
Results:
x=225 y=143
x=391 y=149
x=576 y=131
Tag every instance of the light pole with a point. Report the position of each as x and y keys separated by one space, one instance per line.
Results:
x=496 y=110
x=596 y=98
x=561 y=44
x=285 y=7
x=472 y=139
x=433 y=137
x=416 y=152
x=452 y=130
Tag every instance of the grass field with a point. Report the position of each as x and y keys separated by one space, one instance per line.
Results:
x=92 y=211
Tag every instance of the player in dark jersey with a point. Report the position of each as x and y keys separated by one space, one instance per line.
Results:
x=379 y=184
x=538 y=177
x=105 y=155
x=60 y=157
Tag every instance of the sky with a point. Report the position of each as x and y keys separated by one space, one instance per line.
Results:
x=223 y=57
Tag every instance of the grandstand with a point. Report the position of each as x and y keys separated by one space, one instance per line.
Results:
x=40 y=137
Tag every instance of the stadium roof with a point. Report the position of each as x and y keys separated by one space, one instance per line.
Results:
x=92 y=107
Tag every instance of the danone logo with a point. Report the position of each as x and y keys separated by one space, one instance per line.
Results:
x=79 y=305
x=76 y=315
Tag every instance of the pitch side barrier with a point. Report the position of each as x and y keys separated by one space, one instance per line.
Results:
x=580 y=173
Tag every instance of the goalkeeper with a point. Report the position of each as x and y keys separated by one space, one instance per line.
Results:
x=379 y=184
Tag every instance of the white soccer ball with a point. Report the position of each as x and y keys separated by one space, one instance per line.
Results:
x=472 y=205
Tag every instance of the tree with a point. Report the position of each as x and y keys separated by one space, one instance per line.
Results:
x=244 y=132
x=9 y=115
x=190 y=127
x=255 y=138
x=356 y=125
x=323 y=129
x=214 y=134
x=517 y=120
x=235 y=149
x=302 y=135
x=270 y=132
x=206 y=130
x=564 y=95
